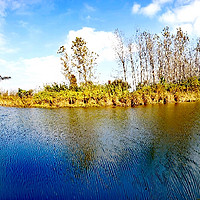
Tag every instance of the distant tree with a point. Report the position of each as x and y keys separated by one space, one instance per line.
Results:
x=65 y=62
x=81 y=62
x=168 y=58
x=121 y=54
x=197 y=57
x=141 y=56
x=4 y=78
x=132 y=60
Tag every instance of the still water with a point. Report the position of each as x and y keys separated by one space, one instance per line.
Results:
x=150 y=152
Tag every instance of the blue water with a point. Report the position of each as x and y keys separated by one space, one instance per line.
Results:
x=150 y=152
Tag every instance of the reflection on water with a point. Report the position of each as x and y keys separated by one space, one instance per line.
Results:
x=150 y=152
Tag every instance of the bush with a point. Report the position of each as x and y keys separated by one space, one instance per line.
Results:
x=55 y=87
x=116 y=87
x=24 y=93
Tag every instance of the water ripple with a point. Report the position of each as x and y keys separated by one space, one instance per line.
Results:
x=148 y=152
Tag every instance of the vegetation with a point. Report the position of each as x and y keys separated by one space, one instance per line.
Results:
x=80 y=64
x=163 y=69
x=152 y=58
x=4 y=78
x=114 y=93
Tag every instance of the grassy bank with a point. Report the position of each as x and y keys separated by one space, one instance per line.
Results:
x=115 y=93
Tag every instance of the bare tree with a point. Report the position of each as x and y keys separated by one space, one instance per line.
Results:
x=166 y=58
x=121 y=52
x=131 y=51
x=4 y=78
x=197 y=57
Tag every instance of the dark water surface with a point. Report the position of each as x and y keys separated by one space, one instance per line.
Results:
x=150 y=152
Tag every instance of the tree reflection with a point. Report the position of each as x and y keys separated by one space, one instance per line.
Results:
x=82 y=137
x=169 y=153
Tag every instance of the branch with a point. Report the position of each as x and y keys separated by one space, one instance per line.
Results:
x=4 y=78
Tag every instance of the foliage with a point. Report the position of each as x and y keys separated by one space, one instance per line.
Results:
x=81 y=62
x=24 y=93
x=117 y=86
x=115 y=93
x=55 y=87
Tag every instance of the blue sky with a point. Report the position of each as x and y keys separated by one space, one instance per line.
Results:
x=31 y=31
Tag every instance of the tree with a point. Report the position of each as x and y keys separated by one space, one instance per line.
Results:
x=81 y=62
x=168 y=58
x=197 y=57
x=121 y=52
x=65 y=62
x=4 y=78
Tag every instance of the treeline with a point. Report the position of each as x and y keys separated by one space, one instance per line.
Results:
x=160 y=68
x=115 y=93
x=170 y=58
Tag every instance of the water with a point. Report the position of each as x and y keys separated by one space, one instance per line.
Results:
x=150 y=152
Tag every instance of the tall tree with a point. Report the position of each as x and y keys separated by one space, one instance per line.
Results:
x=167 y=48
x=66 y=62
x=197 y=57
x=131 y=51
x=81 y=61
x=166 y=58
x=121 y=52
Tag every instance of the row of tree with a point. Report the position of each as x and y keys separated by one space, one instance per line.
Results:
x=152 y=58
x=148 y=58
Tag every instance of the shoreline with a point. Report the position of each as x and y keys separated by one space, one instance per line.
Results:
x=134 y=99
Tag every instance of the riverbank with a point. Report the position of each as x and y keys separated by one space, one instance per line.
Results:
x=133 y=100
x=104 y=96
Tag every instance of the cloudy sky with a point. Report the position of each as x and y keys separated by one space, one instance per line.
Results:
x=31 y=32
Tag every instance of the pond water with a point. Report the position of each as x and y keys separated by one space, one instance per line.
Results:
x=150 y=152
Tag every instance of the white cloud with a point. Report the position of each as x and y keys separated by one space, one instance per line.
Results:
x=10 y=4
x=31 y=73
x=182 y=13
x=100 y=42
x=183 y=2
x=136 y=8
x=168 y=16
x=43 y=69
x=188 y=13
x=187 y=16
x=151 y=9
x=185 y=27
x=163 y=1
x=197 y=26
